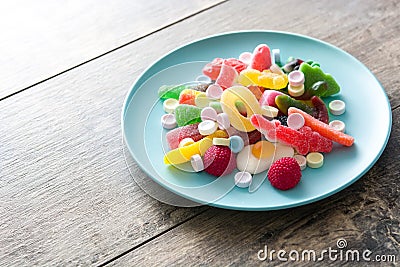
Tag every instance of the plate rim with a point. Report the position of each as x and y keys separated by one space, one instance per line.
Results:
x=139 y=81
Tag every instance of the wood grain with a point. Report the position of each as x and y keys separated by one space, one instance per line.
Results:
x=43 y=38
x=67 y=197
x=366 y=215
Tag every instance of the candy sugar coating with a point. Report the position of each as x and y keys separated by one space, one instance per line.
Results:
x=183 y=154
x=249 y=77
x=187 y=114
x=228 y=100
x=272 y=80
x=261 y=59
x=226 y=77
x=315 y=74
x=268 y=98
x=213 y=68
x=303 y=141
x=324 y=129
x=188 y=96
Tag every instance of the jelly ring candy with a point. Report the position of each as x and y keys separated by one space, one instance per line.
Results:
x=243 y=179
x=168 y=121
x=236 y=143
x=207 y=127
x=338 y=125
x=295 y=121
x=228 y=100
x=197 y=163
x=315 y=160
x=337 y=107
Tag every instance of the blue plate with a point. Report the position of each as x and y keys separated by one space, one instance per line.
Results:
x=367 y=118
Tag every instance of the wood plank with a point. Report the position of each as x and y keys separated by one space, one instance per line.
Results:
x=43 y=38
x=67 y=195
x=366 y=215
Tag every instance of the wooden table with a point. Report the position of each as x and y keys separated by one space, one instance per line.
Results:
x=67 y=196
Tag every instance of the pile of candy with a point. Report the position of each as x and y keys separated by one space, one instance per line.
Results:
x=254 y=114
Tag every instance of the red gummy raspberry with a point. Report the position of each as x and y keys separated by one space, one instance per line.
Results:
x=284 y=173
x=219 y=160
x=190 y=131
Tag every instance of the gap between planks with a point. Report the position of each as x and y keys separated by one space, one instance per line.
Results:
x=116 y=48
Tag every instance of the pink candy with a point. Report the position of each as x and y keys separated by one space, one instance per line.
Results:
x=226 y=77
x=261 y=59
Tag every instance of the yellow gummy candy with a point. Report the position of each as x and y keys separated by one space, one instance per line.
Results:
x=183 y=154
x=229 y=99
x=248 y=77
x=272 y=80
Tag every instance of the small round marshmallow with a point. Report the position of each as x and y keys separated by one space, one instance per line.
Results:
x=295 y=121
x=168 y=121
x=338 y=125
x=207 y=127
x=337 y=107
x=243 y=179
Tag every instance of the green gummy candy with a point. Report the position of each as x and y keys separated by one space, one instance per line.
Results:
x=284 y=102
x=170 y=91
x=313 y=74
x=187 y=114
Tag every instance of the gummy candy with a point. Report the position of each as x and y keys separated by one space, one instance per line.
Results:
x=284 y=102
x=324 y=129
x=226 y=77
x=213 y=68
x=249 y=77
x=261 y=59
x=315 y=74
x=256 y=90
x=303 y=141
x=320 y=110
x=228 y=99
x=272 y=80
x=188 y=96
x=268 y=98
x=171 y=91
x=187 y=114
x=183 y=154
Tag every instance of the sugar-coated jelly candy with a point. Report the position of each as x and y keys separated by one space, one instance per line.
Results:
x=256 y=90
x=228 y=100
x=171 y=91
x=213 y=68
x=272 y=80
x=184 y=154
x=249 y=77
x=315 y=74
x=187 y=114
x=188 y=96
x=226 y=77
x=324 y=129
x=261 y=59
x=268 y=98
